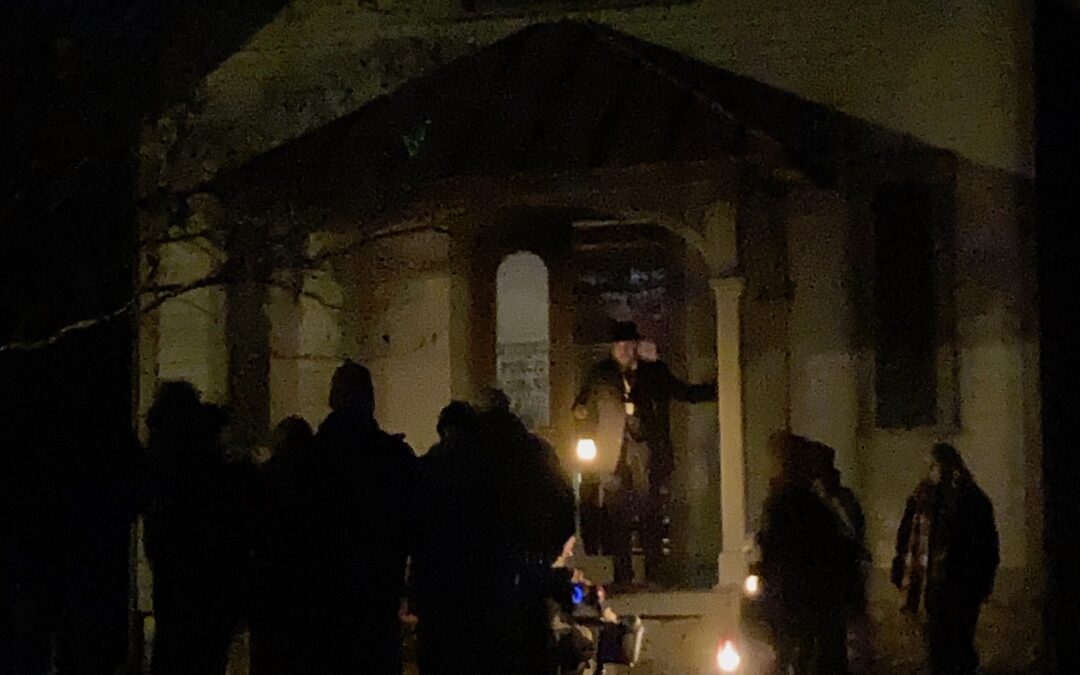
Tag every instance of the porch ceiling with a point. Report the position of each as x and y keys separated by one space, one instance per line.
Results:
x=554 y=98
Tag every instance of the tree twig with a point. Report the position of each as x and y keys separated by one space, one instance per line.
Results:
x=160 y=294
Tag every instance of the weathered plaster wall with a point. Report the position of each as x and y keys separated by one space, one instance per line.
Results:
x=806 y=365
x=305 y=342
x=188 y=338
x=824 y=398
x=763 y=253
x=955 y=74
x=997 y=361
x=995 y=332
x=397 y=322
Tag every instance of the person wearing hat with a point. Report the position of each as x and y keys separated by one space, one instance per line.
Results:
x=627 y=397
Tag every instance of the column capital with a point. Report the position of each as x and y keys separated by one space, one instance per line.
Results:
x=727 y=285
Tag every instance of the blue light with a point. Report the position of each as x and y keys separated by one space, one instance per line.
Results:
x=578 y=595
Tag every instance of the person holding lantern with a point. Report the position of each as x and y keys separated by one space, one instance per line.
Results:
x=625 y=401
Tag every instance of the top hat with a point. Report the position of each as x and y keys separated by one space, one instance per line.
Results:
x=625 y=331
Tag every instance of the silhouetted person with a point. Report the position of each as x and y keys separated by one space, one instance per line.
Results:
x=448 y=567
x=196 y=539
x=364 y=529
x=281 y=580
x=533 y=505
x=849 y=515
x=291 y=439
x=634 y=387
x=807 y=564
x=69 y=470
x=93 y=633
x=838 y=496
x=961 y=565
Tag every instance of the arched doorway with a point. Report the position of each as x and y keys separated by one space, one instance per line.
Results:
x=570 y=231
x=522 y=342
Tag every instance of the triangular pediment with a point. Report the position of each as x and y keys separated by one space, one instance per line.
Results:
x=558 y=97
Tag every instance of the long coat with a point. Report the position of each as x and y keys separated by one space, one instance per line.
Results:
x=964 y=554
x=601 y=398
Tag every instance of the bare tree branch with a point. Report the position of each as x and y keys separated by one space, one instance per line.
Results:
x=322 y=301
x=161 y=294
x=378 y=235
x=67 y=330
x=153 y=296
x=194 y=236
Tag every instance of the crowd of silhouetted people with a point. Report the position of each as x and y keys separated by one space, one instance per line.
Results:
x=312 y=549
x=325 y=550
x=813 y=562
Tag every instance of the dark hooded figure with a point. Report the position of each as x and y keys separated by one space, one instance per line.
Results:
x=808 y=564
x=848 y=512
x=448 y=579
x=363 y=530
x=962 y=562
x=533 y=507
x=195 y=535
x=845 y=506
x=281 y=576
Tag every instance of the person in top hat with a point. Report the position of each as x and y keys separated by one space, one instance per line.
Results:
x=635 y=389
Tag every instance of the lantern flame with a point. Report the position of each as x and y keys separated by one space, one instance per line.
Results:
x=586 y=449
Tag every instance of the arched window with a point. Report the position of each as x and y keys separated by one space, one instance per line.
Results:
x=522 y=341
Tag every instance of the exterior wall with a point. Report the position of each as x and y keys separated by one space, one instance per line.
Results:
x=183 y=339
x=321 y=59
x=823 y=397
x=397 y=298
x=807 y=364
x=385 y=305
x=763 y=253
x=998 y=392
x=188 y=332
x=305 y=343
x=996 y=300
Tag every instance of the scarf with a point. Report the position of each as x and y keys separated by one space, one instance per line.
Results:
x=917 y=550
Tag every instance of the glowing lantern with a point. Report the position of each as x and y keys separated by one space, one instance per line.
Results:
x=586 y=449
x=728 y=658
x=752 y=585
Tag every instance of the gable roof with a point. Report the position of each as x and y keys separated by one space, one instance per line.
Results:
x=558 y=97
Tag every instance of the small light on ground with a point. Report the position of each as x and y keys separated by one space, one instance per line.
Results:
x=728 y=658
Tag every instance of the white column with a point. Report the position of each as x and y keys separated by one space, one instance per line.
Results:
x=727 y=292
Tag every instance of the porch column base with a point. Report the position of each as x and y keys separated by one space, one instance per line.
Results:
x=732 y=567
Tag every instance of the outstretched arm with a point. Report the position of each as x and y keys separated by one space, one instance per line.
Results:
x=691 y=393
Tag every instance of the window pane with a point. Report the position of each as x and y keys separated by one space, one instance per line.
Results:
x=904 y=307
